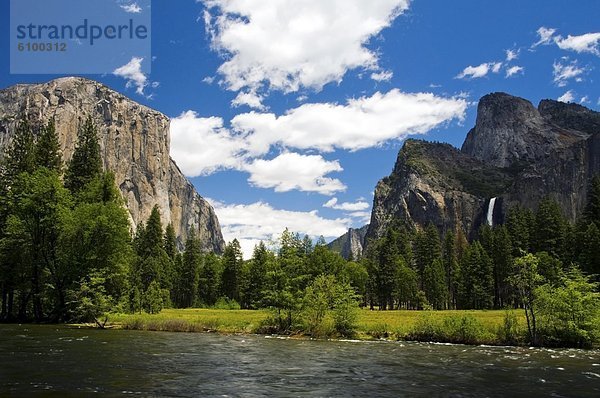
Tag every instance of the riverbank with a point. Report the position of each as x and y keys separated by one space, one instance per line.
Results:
x=468 y=327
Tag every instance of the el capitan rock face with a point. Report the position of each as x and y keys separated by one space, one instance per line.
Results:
x=134 y=143
x=515 y=152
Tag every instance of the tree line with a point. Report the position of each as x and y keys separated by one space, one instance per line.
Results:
x=67 y=253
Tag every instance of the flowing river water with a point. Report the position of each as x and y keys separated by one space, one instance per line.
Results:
x=65 y=362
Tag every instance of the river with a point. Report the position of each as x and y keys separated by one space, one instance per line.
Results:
x=69 y=362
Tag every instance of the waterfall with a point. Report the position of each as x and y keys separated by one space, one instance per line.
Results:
x=490 y=212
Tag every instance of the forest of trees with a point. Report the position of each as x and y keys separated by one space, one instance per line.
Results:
x=67 y=253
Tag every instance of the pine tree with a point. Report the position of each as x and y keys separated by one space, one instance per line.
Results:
x=210 y=279
x=86 y=163
x=47 y=149
x=434 y=284
x=427 y=250
x=170 y=241
x=592 y=209
x=19 y=157
x=550 y=230
x=189 y=278
x=476 y=281
x=232 y=265
x=520 y=223
x=450 y=258
x=257 y=272
x=501 y=254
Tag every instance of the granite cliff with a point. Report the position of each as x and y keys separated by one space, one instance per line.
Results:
x=351 y=244
x=516 y=153
x=134 y=142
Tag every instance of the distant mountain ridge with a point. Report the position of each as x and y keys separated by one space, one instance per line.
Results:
x=516 y=153
x=134 y=142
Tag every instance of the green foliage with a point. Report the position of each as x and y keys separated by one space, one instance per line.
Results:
x=86 y=163
x=550 y=229
x=47 y=149
x=232 y=267
x=476 y=280
x=153 y=299
x=509 y=332
x=329 y=306
x=92 y=303
x=569 y=314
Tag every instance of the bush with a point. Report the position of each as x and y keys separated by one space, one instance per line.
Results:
x=509 y=333
x=425 y=329
x=462 y=329
x=225 y=303
x=329 y=307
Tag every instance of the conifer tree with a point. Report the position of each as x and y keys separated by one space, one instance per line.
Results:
x=550 y=232
x=232 y=266
x=86 y=163
x=189 y=277
x=47 y=149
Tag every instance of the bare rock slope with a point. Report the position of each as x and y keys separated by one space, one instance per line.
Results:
x=134 y=142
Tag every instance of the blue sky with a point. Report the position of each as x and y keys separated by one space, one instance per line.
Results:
x=282 y=107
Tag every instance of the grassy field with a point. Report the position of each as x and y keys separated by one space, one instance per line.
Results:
x=371 y=324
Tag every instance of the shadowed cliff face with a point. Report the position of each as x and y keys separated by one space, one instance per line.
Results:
x=350 y=245
x=134 y=142
x=516 y=152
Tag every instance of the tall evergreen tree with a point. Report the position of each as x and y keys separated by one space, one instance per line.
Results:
x=592 y=209
x=550 y=231
x=232 y=266
x=86 y=163
x=47 y=149
x=476 y=280
x=190 y=271
x=434 y=284
x=170 y=242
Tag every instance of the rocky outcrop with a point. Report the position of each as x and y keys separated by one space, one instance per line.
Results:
x=515 y=152
x=134 y=142
x=351 y=244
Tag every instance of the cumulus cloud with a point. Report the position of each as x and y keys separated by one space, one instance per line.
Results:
x=250 y=99
x=563 y=72
x=132 y=72
x=251 y=223
x=346 y=206
x=201 y=146
x=474 y=72
x=586 y=43
x=292 y=171
x=132 y=8
x=383 y=76
x=569 y=96
x=288 y=45
x=511 y=55
x=513 y=70
x=545 y=36
x=360 y=123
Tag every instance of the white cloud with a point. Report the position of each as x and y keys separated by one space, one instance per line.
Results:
x=132 y=8
x=563 y=72
x=383 y=76
x=584 y=100
x=201 y=146
x=474 y=72
x=360 y=123
x=250 y=99
x=513 y=70
x=132 y=72
x=347 y=206
x=511 y=54
x=586 y=43
x=569 y=96
x=291 y=171
x=545 y=36
x=251 y=223
x=288 y=44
